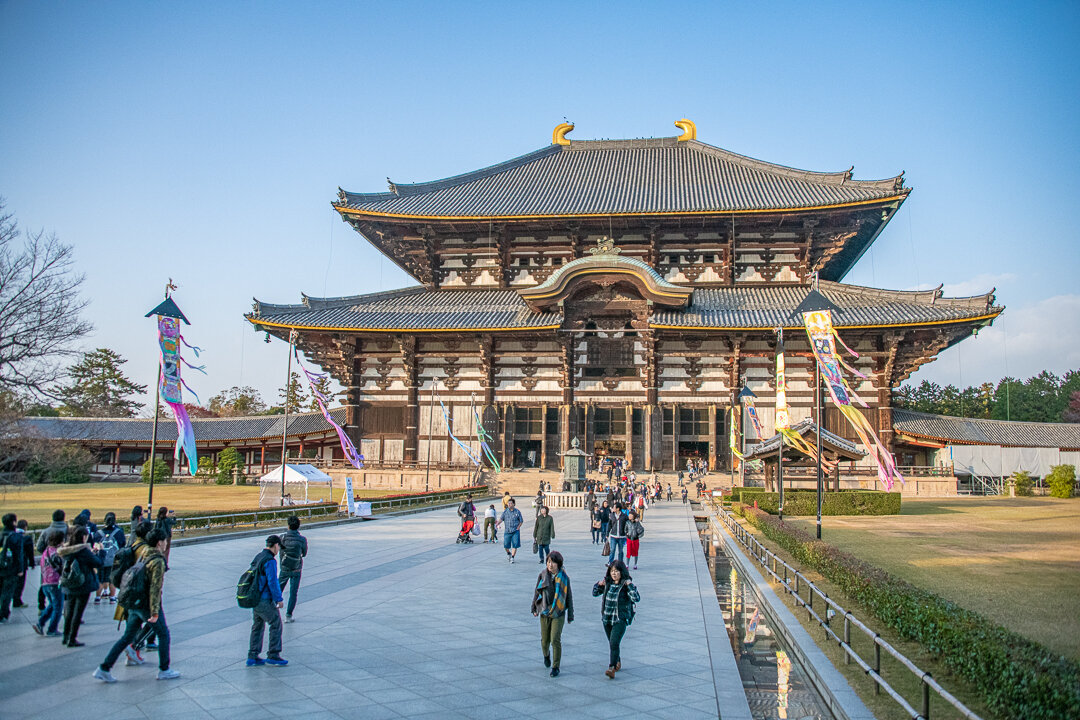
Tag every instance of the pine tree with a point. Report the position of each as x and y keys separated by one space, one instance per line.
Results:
x=296 y=397
x=323 y=386
x=99 y=388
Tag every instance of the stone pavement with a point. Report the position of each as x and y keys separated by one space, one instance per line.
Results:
x=396 y=620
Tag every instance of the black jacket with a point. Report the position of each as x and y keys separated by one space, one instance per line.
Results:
x=293 y=552
x=11 y=541
x=89 y=562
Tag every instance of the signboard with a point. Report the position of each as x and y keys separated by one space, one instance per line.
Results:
x=363 y=509
x=349 y=496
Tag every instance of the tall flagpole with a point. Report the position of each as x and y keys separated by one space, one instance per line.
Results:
x=430 y=414
x=285 y=429
x=153 y=440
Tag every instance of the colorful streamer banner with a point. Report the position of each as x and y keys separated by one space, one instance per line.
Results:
x=751 y=410
x=484 y=438
x=449 y=431
x=820 y=330
x=783 y=415
x=347 y=447
x=170 y=386
x=734 y=437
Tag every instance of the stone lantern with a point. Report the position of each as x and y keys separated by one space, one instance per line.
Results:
x=574 y=466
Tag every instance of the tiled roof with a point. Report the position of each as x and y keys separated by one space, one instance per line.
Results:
x=968 y=431
x=656 y=175
x=807 y=429
x=605 y=260
x=735 y=307
x=206 y=429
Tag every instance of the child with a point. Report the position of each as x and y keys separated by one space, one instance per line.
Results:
x=634 y=531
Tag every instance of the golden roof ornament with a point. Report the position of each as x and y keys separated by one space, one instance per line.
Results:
x=604 y=246
x=689 y=129
x=558 y=136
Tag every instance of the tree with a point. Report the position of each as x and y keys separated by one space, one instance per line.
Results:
x=161 y=471
x=323 y=387
x=99 y=388
x=228 y=459
x=296 y=396
x=40 y=308
x=65 y=464
x=1062 y=479
x=237 y=401
x=1072 y=413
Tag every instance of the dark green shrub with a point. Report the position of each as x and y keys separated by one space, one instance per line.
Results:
x=162 y=473
x=65 y=464
x=228 y=459
x=1061 y=480
x=804 y=502
x=1024 y=483
x=1018 y=678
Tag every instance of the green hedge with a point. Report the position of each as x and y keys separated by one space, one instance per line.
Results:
x=1018 y=678
x=804 y=502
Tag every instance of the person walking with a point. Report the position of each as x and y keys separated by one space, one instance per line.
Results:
x=616 y=610
x=506 y=499
x=597 y=523
x=684 y=494
x=80 y=564
x=605 y=520
x=617 y=535
x=294 y=547
x=553 y=603
x=165 y=522
x=21 y=526
x=51 y=564
x=265 y=613
x=544 y=532
x=489 y=524
x=12 y=564
x=145 y=609
x=538 y=502
x=513 y=520
x=112 y=539
x=634 y=532
x=467 y=512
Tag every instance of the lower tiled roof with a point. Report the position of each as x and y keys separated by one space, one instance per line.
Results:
x=969 y=431
x=139 y=430
x=744 y=306
x=807 y=428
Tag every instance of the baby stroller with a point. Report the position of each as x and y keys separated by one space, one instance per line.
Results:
x=467 y=525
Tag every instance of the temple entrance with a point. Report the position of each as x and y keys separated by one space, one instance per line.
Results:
x=527 y=453
x=695 y=450
x=609 y=448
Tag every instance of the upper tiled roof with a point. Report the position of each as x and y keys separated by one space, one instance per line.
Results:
x=731 y=307
x=206 y=429
x=606 y=177
x=968 y=431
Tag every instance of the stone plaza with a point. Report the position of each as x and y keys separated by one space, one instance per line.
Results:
x=396 y=620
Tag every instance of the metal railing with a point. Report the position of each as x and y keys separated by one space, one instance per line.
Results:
x=792 y=581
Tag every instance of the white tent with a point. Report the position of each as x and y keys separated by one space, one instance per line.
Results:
x=297 y=479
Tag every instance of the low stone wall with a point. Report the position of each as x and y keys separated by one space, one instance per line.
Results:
x=410 y=480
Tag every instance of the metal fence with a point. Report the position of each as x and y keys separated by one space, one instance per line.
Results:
x=826 y=614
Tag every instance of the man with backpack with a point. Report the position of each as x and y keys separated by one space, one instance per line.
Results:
x=293 y=552
x=139 y=601
x=11 y=564
x=260 y=585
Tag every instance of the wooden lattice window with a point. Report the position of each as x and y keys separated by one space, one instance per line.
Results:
x=610 y=356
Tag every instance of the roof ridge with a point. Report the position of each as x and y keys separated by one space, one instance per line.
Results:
x=308 y=302
x=994 y=421
x=406 y=189
x=926 y=297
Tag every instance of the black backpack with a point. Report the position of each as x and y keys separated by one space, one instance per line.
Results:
x=247 y=588
x=122 y=562
x=7 y=557
x=73 y=579
x=134 y=591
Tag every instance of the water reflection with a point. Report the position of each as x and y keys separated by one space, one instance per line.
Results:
x=776 y=687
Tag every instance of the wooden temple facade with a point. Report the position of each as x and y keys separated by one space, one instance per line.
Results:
x=617 y=291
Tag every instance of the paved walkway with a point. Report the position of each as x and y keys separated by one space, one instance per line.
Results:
x=395 y=620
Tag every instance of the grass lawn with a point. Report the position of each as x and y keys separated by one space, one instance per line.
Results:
x=37 y=502
x=1014 y=560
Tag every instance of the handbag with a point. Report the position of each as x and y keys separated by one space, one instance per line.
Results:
x=606 y=550
x=595 y=524
x=536 y=548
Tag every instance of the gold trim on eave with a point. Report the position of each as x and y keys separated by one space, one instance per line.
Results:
x=255 y=321
x=954 y=321
x=659 y=213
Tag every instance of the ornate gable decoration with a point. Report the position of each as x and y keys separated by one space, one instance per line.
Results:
x=604 y=268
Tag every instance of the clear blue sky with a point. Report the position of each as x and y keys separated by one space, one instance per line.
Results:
x=205 y=142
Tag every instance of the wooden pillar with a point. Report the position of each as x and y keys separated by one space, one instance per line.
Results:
x=675 y=437
x=508 y=434
x=589 y=439
x=712 y=438
x=647 y=439
x=116 y=461
x=629 y=436
x=407 y=348
x=262 y=459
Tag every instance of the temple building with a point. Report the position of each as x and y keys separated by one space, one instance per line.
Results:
x=617 y=291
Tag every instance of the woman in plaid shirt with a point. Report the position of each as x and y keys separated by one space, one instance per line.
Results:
x=616 y=610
